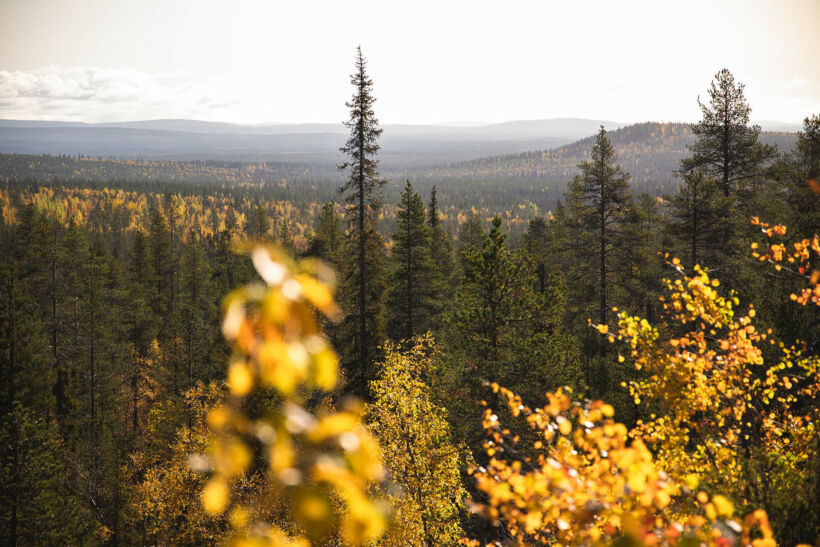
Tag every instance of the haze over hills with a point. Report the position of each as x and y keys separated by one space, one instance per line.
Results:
x=509 y=149
x=532 y=158
x=403 y=146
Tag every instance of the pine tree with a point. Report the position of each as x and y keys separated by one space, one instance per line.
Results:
x=441 y=245
x=727 y=148
x=199 y=313
x=364 y=302
x=36 y=507
x=410 y=297
x=638 y=264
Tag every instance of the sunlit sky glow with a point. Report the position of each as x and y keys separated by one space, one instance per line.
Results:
x=431 y=62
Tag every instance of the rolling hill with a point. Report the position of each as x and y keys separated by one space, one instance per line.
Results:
x=650 y=152
x=404 y=147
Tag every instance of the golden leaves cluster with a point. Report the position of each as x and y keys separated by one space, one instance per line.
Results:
x=417 y=447
x=801 y=258
x=321 y=462
x=582 y=481
x=703 y=372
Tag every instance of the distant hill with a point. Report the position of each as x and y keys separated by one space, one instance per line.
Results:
x=404 y=147
x=650 y=152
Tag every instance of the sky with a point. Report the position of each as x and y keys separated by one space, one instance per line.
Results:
x=262 y=61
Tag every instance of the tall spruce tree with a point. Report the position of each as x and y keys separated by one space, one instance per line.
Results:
x=410 y=297
x=605 y=198
x=441 y=253
x=727 y=147
x=363 y=288
x=441 y=245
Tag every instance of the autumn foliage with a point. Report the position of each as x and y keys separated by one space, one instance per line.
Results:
x=320 y=461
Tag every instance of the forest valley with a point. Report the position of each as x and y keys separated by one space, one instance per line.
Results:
x=208 y=364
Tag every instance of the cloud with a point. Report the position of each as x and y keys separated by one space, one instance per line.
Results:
x=98 y=94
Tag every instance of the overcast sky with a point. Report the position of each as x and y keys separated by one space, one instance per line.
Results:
x=289 y=61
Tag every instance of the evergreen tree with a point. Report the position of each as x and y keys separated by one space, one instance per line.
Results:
x=199 y=313
x=504 y=329
x=536 y=241
x=364 y=302
x=286 y=238
x=258 y=223
x=799 y=171
x=162 y=265
x=638 y=265
x=328 y=236
x=605 y=198
x=727 y=148
x=441 y=254
x=441 y=245
x=36 y=505
x=410 y=297
x=698 y=215
x=470 y=236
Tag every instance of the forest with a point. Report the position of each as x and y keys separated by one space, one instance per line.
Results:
x=206 y=352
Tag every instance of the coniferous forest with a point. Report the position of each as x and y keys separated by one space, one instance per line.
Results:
x=196 y=353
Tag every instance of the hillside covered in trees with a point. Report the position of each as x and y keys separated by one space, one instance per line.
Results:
x=211 y=352
x=651 y=152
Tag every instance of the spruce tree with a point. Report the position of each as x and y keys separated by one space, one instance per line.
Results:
x=162 y=264
x=258 y=223
x=410 y=297
x=286 y=238
x=327 y=240
x=727 y=147
x=536 y=241
x=443 y=274
x=504 y=329
x=470 y=236
x=697 y=218
x=363 y=288
x=799 y=173
x=441 y=245
x=605 y=198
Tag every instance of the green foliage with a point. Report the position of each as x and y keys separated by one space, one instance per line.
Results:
x=363 y=285
x=410 y=300
x=698 y=216
x=727 y=148
x=504 y=328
